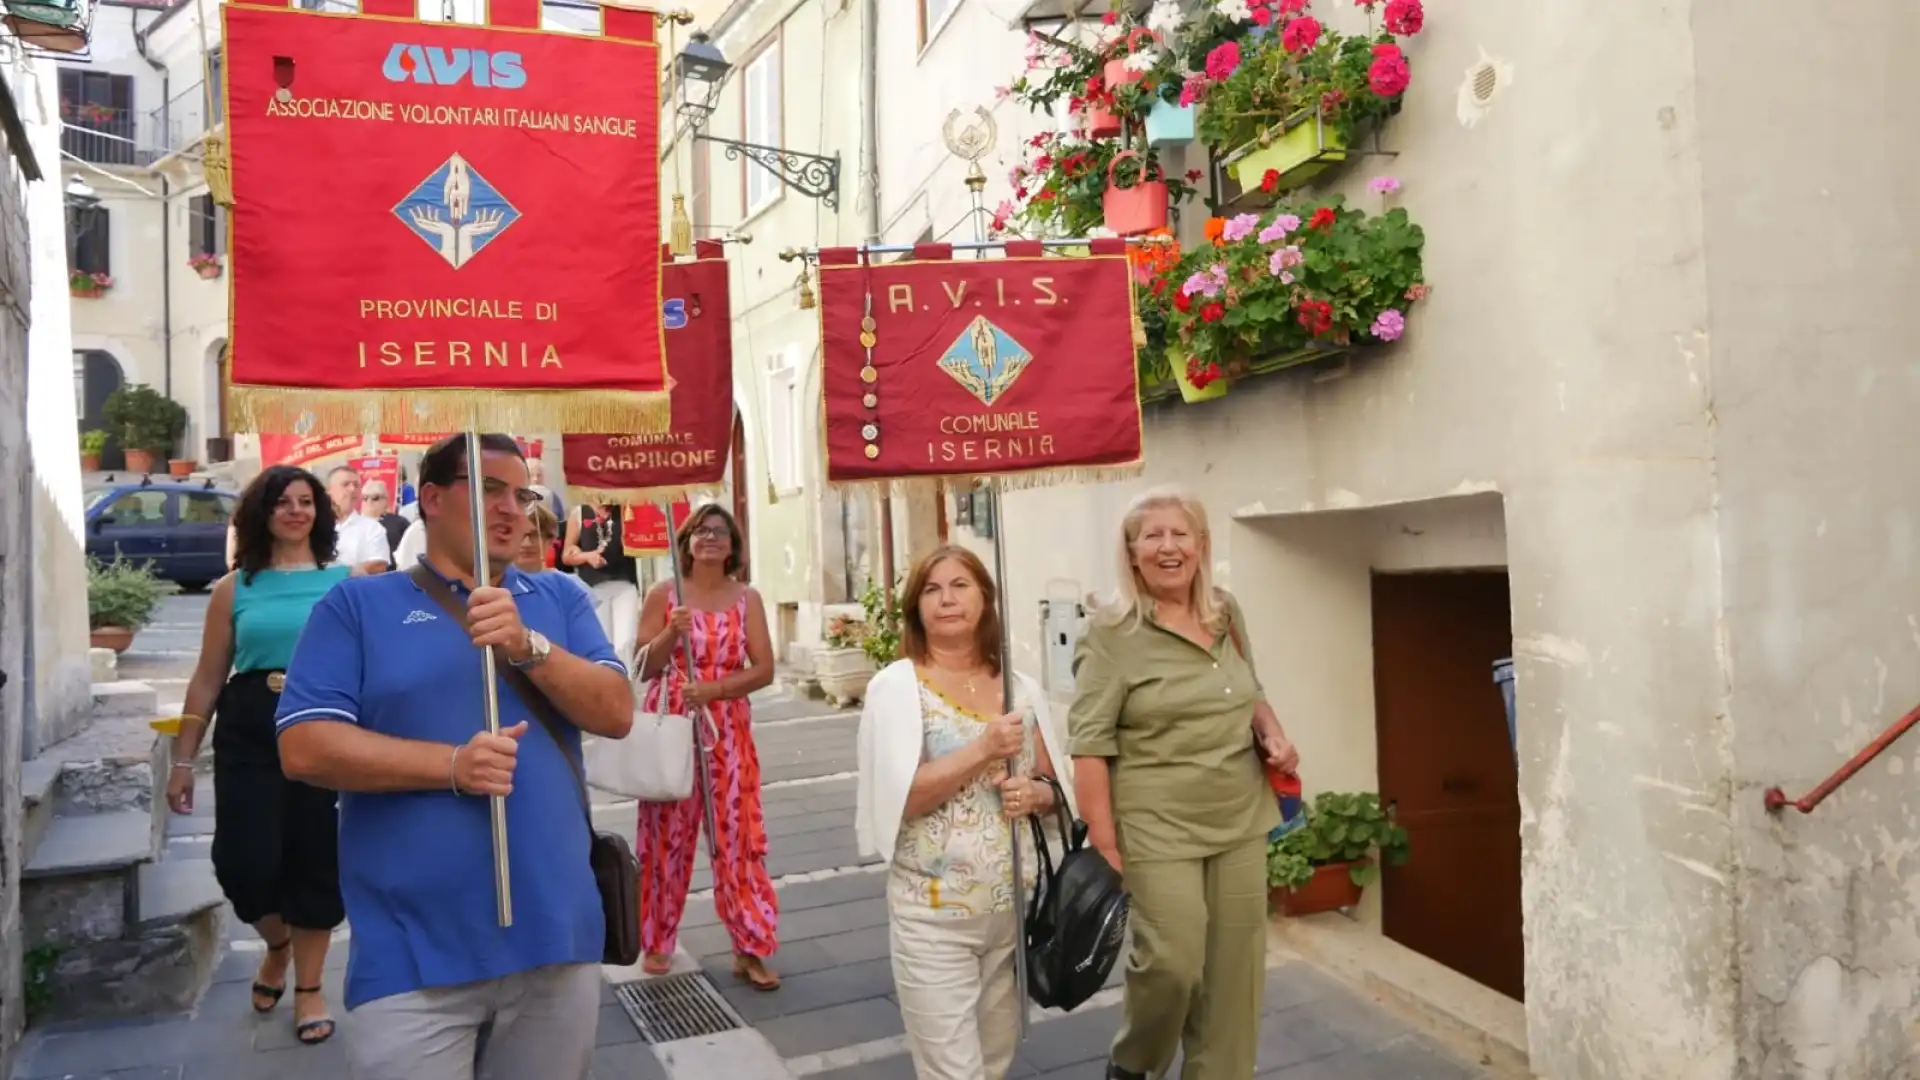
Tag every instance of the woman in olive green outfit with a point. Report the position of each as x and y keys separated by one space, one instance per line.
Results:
x=1168 y=729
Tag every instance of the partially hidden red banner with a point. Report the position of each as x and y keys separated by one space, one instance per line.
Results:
x=694 y=452
x=1020 y=367
x=438 y=226
x=382 y=467
x=298 y=450
x=643 y=528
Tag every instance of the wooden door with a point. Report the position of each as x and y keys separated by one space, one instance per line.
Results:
x=1447 y=767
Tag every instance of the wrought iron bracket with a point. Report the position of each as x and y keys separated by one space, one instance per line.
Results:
x=811 y=175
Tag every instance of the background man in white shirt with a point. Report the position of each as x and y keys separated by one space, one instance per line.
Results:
x=363 y=542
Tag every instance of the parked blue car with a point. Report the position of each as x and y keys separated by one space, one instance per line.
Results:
x=181 y=528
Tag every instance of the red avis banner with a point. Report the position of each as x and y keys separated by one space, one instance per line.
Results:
x=1020 y=367
x=435 y=224
x=644 y=531
x=298 y=450
x=693 y=452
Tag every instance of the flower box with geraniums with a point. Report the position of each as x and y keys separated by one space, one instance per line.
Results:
x=121 y=599
x=149 y=424
x=92 y=445
x=1285 y=105
x=1324 y=864
x=88 y=286
x=206 y=264
x=1061 y=188
x=1285 y=287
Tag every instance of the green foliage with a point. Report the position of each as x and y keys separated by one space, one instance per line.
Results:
x=124 y=594
x=36 y=978
x=1340 y=828
x=92 y=443
x=145 y=419
x=880 y=637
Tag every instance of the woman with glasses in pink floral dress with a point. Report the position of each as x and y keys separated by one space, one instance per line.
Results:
x=724 y=624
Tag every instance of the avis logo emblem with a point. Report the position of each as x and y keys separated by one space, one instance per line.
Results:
x=985 y=360
x=675 y=312
x=456 y=212
x=418 y=616
x=435 y=66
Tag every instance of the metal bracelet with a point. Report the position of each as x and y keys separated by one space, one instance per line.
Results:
x=453 y=771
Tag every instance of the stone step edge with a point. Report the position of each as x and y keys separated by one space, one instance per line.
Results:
x=117 y=840
x=1474 y=1021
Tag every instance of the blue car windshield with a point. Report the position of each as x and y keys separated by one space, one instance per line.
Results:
x=95 y=496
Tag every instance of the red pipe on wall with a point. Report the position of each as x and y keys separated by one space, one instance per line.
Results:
x=1777 y=800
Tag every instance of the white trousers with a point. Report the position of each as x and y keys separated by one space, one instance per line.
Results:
x=618 y=605
x=958 y=1000
x=538 y=1023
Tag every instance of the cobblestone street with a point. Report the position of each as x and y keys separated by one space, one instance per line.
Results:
x=833 y=1018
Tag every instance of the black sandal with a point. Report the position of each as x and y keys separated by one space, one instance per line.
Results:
x=272 y=994
x=323 y=1026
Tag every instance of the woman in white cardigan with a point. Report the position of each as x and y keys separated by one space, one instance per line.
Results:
x=937 y=802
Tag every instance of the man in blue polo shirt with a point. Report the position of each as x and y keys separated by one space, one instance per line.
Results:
x=383 y=704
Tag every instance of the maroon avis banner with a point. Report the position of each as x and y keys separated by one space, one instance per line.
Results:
x=693 y=453
x=436 y=226
x=1021 y=367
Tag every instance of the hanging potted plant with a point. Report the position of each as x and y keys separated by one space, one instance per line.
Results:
x=1135 y=202
x=85 y=286
x=206 y=264
x=1285 y=108
x=1324 y=864
x=92 y=445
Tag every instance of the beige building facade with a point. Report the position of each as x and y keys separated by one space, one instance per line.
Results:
x=1643 y=435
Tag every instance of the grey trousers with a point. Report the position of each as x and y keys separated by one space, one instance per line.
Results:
x=540 y=1023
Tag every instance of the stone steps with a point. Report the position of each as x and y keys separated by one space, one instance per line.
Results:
x=126 y=931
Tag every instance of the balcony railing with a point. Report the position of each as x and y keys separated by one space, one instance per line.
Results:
x=181 y=121
x=105 y=136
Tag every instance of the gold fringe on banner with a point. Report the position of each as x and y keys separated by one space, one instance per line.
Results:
x=598 y=496
x=906 y=486
x=287 y=410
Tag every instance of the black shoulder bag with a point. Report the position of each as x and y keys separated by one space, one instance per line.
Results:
x=616 y=873
x=1076 y=917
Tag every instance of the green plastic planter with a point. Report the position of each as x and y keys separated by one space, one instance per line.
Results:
x=1190 y=393
x=1305 y=149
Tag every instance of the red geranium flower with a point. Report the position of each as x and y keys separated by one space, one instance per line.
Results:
x=1194 y=175
x=1183 y=303
x=1270 y=181
x=1292 y=7
x=1404 y=17
x=1263 y=16
x=1316 y=316
x=1322 y=218
x=1301 y=34
x=1213 y=312
x=1388 y=76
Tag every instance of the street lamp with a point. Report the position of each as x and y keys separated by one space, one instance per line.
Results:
x=81 y=194
x=701 y=69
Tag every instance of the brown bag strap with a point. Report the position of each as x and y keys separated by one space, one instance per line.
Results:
x=537 y=703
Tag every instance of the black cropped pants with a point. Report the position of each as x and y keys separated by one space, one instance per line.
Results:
x=276 y=842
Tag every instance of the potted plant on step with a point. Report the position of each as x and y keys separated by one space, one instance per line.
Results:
x=121 y=599
x=149 y=424
x=843 y=667
x=1324 y=864
x=92 y=445
x=206 y=264
x=181 y=468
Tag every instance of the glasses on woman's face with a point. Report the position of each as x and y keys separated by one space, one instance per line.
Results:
x=710 y=532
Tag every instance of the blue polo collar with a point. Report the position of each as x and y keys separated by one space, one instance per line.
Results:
x=513 y=580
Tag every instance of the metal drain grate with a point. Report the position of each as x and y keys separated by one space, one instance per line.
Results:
x=682 y=1006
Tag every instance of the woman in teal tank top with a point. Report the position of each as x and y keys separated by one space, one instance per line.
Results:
x=275 y=841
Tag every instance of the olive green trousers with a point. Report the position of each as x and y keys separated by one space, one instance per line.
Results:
x=1197 y=972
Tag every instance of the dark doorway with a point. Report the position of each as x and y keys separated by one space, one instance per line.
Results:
x=99 y=375
x=1447 y=767
x=742 y=498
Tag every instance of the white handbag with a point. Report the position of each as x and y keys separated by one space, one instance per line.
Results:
x=655 y=762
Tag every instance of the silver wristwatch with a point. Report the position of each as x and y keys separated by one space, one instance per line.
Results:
x=538 y=649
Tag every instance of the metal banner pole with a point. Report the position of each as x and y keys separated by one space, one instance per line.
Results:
x=972 y=144
x=703 y=721
x=490 y=688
